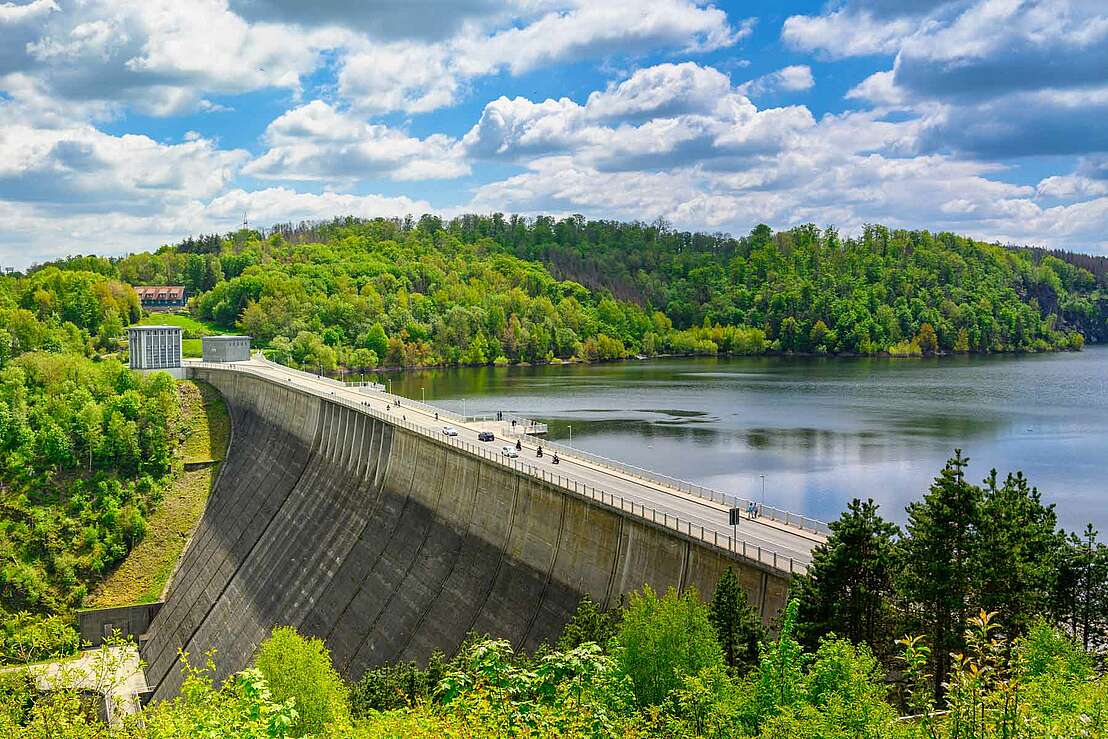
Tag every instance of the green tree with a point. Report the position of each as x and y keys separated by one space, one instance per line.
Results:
x=939 y=575
x=588 y=624
x=1017 y=551
x=848 y=588
x=661 y=639
x=738 y=628
x=298 y=670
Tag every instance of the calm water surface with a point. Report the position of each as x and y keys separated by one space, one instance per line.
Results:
x=822 y=431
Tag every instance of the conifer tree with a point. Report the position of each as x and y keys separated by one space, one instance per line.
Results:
x=1017 y=551
x=737 y=626
x=849 y=585
x=939 y=574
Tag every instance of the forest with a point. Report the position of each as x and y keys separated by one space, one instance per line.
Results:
x=478 y=290
x=978 y=617
x=86 y=448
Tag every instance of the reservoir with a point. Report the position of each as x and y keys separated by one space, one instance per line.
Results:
x=820 y=430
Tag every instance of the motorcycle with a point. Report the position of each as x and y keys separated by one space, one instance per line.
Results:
x=555 y=460
x=539 y=452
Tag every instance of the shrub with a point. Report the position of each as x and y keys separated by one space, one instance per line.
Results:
x=299 y=668
x=662 y=639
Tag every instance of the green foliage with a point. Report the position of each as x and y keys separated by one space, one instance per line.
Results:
x=28 y=638
x=661 y=639
x=848 y=588
x=939 y=571
x=85 y=448
x=738 y=628
x=1081 y=588
x=479 y=290
x=243 y=707
x=588 y=624
x=298 y=670
x=395 y=686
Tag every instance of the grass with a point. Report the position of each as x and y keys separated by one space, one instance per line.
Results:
x=142 y=577
x=190 y=325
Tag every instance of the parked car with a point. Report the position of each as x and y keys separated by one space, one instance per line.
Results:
x=509 y=451
x=450 y=431
x=485 y=436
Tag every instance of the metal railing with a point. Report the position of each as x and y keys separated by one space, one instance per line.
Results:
x=732 y=501
x=713 y=538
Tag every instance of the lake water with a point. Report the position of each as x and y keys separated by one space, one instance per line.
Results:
x=822 y=431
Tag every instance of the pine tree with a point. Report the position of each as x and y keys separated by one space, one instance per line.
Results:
x=849 y=585
x=588 y=624
x=939 y=575
x=1081 y=588
x=1017 y=552
x=737 y=626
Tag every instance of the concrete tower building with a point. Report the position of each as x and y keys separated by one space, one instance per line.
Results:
x=156 y=348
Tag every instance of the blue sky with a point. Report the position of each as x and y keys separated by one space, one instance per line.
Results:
x=125 y=125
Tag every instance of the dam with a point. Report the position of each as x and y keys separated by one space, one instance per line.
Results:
x=361 y=523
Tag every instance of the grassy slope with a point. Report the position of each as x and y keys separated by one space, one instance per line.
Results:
x=190 y=347
x=143 y=575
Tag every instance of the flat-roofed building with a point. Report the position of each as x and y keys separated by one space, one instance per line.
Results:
x=161 y=296
x=225 y=348
x=155 y=348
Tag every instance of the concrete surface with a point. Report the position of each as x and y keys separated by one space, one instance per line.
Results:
x=389 y=544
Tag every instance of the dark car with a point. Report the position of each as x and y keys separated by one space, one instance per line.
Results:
x=485 y=436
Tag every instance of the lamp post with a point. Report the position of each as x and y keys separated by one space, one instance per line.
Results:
x=389 y=380
x=763 y=489
x=422 y=394
x=571 y=434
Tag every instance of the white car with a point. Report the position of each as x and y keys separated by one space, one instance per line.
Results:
x=509 y=452
x=449 y=431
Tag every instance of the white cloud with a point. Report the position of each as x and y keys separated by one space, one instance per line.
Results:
x=418 y=77
x=81 y=168
x=845 y=33
x=797 y=77
x=157 y=56
x=317 y=142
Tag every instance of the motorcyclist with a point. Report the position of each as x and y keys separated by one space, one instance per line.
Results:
x=539 y=452
x=555 y=460
x=519 y=445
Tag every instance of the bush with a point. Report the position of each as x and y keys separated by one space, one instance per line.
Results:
x=662 y=639
x=27 y=638
x=298 y=668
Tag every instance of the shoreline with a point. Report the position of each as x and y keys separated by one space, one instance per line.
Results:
x=720 y=355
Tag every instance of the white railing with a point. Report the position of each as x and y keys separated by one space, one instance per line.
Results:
x=732 y=501
x=733 y=546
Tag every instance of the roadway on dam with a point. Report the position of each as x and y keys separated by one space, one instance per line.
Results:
x=788 y=542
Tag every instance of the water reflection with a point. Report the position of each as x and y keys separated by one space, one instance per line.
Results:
x=821 y=430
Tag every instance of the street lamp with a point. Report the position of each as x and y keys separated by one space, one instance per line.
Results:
x=763 y=490
x=389 y=381
x=571 y=434
x=422 y=394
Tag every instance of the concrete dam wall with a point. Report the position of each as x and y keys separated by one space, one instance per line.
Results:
x=388 y=544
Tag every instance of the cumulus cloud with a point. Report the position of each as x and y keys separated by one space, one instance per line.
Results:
x=663 y=116
x=795 y=78
x=83 y=169
x=158 y=56
x=387 y=20
x=318 y=142
x=992 y=78
x=418 y=76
